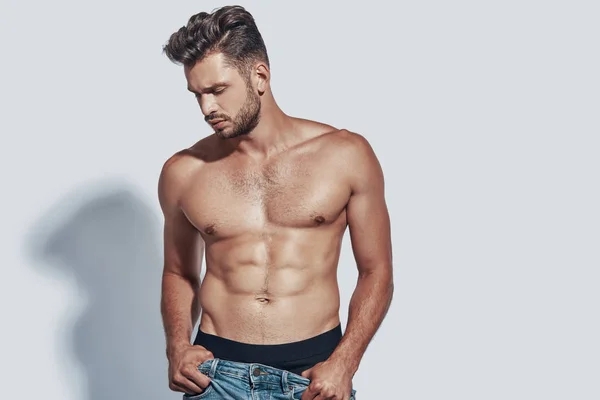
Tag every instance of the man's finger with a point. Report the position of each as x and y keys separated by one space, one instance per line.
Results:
x=309 y=394
x=196 y=378
x=183 y=387
x=306 y=373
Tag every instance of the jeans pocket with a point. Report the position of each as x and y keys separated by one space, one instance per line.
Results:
x=204 y=368
x=205 y=393
x=298 y=390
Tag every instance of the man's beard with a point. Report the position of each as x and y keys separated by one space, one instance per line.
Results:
x=246 y=120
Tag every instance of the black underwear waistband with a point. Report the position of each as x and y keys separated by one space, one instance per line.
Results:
x=284 y=356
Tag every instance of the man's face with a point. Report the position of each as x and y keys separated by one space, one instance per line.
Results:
x=228 y=102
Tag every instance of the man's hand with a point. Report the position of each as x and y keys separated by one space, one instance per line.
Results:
x=330 y=380
x=183 y=369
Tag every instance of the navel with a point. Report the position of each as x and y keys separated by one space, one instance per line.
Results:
x=263 y=299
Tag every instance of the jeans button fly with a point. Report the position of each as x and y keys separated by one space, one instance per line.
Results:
x=256 y=372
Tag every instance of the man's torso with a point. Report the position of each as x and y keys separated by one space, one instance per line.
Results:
x=272 y=230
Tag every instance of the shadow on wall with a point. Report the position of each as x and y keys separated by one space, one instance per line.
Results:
x=110 y=244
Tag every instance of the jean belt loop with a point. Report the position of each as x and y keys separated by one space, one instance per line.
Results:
x=213 y=368
x=284 y=382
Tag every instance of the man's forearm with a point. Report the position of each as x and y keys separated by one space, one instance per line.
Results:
x=180 y=310
x=368 y=306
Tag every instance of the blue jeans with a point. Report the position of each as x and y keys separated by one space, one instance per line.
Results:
x=235 y=380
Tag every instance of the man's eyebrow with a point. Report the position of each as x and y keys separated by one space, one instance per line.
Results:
x=210 y=88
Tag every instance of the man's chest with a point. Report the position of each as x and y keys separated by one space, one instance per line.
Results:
x=230 y=201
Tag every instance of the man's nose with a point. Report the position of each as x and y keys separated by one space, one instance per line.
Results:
x=208 y=105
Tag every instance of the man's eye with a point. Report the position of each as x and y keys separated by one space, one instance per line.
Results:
x=219 y=91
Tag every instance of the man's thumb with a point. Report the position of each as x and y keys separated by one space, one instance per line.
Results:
x=306 y=373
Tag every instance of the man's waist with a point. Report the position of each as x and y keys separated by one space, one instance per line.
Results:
x=322 y=345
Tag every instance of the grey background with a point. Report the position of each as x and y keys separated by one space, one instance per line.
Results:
x=484 y=116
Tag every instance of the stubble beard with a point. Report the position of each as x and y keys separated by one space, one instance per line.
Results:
x=246 y=120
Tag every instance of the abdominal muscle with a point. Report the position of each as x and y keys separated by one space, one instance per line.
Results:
x=280 y=294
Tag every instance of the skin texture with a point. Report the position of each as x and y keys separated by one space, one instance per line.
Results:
x=268 y=198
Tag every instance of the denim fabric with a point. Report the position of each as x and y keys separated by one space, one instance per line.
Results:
x=243 y=381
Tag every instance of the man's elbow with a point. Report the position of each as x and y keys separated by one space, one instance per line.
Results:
x=382 y=274
x=191 y=279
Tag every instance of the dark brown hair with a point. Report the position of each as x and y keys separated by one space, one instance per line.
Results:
x=230 y=30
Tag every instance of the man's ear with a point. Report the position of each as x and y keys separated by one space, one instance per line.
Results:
x=263 y=76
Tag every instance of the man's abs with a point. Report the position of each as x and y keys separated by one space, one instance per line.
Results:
x=261 y=318
x=293 y=298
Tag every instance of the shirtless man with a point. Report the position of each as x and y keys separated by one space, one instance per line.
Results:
x=267 y=199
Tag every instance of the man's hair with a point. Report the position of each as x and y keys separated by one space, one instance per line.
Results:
x=230 y=30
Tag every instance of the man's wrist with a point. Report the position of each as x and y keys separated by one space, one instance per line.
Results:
x=174 y=347
x=348 y=360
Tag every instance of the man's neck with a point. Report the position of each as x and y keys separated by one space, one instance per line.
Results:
x=273 y=134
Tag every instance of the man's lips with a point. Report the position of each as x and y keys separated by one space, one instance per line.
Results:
x=217 y=123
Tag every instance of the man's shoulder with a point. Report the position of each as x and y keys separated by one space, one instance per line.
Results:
x=333 y=138
x=347 y=152
x=191 y=157
x=348 y=139
x=178 y=168
x=179 y=162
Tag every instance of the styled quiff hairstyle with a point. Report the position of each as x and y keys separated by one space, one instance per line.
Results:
x=230 y=30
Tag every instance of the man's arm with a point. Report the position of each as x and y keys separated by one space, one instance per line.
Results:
x=183 y=249
x=369 y=227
